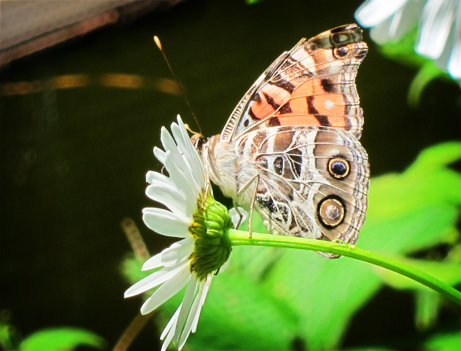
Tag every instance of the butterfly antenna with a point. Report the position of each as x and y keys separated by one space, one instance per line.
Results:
x=183 y=93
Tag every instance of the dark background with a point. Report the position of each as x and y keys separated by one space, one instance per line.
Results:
x=73 y=160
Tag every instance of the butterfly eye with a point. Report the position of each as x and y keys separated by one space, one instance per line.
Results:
x=338 y=168
x=198 y=141
x=331 y=212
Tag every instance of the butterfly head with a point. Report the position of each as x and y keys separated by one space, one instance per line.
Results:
x=198 y=141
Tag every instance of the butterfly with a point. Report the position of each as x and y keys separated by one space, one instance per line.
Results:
x=291 y=149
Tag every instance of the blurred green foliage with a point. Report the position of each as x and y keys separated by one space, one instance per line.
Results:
x=51 y=339
x=271 y=298
x=403 y=50
x=60 y=339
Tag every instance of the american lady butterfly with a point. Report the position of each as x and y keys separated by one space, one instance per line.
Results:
x=290 y=149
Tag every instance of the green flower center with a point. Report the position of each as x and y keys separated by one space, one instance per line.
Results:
x=210 y=231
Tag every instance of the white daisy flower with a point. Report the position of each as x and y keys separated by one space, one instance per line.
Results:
x=439 y=36
x=201 y=223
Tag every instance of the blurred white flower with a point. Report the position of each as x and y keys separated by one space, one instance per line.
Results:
x=200 y=253
x=439 y=32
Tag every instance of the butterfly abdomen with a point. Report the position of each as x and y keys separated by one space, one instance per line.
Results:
x=231 y=169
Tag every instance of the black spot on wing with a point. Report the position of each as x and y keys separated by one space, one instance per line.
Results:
x=256 y=97
x=274 y=122
x=266 y=201
x=271 y=101
x=338 y=29
x=285 y=108
x=283 y=84
x=278 y=165
x=252 y=115
x=327 y=85
x=323 y=120
x=310 y=106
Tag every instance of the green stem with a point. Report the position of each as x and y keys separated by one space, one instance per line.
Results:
x=238 y=237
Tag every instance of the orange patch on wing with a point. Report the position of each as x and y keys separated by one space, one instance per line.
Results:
x=311 y=87
x=307 y=120
x=298 y=107
x=261 y=109
x=279 y=95
x=329 y=104
x=264 y=109
x=338 y=121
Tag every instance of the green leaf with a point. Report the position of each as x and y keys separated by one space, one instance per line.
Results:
x=60 y=339
x=131 y=269
x=427 y=308
x=324 y=293
x=9 y=336
x=443 y=342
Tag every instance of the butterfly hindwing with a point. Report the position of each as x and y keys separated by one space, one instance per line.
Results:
x=299 y=191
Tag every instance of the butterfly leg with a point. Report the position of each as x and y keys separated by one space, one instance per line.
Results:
x=252 y=205
x=239 y=213
x=207 y=189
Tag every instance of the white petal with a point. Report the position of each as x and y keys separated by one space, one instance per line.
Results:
x=193 y=170
x=405 y=19
x=168 y=141
x=435 y=24
x=171 y=255
x=171 y=324
x=202 y=294
x=153 y=280
x=165 y=222
x=193 y=314
x=194 y=155
x=373 y=12
x=178 y=251
x=169 y=196
x=179 y=165
x=171 y=328
x=181 y=168
x=187 y=302
x=167 y=342
x=159 y=154
x=190 y=190
x=454 y=63
x=190 y=154
x=170 y=288
x=153 y=262
x=158 y=178
x=381 y=32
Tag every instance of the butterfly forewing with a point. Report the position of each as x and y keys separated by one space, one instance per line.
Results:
x=313 y=84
